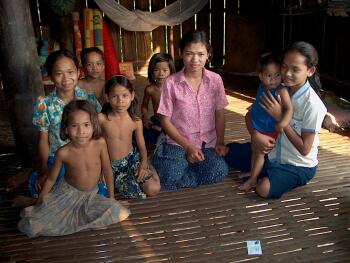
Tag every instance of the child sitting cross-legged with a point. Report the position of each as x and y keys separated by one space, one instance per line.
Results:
x=74 y=205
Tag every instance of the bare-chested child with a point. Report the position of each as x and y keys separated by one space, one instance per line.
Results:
x=74 y=204
x=160 y=67
x=133 y=176
x=92 y=59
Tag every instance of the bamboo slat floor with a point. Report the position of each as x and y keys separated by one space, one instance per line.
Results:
x=210 y=223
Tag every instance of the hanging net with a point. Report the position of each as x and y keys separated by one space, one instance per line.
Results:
x=138 y=20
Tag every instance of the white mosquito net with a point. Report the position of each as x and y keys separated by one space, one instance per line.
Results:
x=138 y=20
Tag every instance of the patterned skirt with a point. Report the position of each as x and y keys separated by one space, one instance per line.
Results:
x=66 y=210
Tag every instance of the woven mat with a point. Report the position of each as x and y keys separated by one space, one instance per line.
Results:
x=210 y=223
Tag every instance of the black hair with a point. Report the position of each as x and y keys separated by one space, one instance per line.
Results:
x=196 y=37
x=86 y=51
x=56 y=55
x=122 y=81
x=311 y=60
x=83 y=105
x=268 y=58
x=160 y=57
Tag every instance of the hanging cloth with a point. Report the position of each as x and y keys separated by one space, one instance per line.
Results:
x=138 y=20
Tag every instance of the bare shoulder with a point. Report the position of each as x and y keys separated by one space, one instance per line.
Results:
x=149 y=89
x=101 y=117
x=98 y=145
x=138 y=122
x=81 y=83
x=101 y=142
x=63 y=152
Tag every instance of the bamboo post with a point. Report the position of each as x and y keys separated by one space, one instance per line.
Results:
x=20 y=73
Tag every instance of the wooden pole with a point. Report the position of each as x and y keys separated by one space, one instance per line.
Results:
x=171 y=40
x=20 y=74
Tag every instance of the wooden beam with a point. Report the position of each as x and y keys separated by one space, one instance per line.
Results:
x=20 y=74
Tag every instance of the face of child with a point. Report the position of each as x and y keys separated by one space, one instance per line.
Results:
x=194 y=57
x=65 y=75
x=294 y=70
x=79 y=128
x=161 y=72
x=94 y=66
x=271 y=76
x=120 y=98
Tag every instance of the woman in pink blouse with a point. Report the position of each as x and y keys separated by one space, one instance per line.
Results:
x=192 y=114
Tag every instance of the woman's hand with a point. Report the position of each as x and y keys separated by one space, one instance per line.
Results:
x=194 y=155
x=263 y=142
x=221 y=149
x=271 y=105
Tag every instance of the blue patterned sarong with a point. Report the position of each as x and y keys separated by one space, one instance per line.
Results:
x=176 y=172
x=124 y=171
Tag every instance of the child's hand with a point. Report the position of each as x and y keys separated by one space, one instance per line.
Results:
x=142 y=172
x=194 y=155
x=221 y=149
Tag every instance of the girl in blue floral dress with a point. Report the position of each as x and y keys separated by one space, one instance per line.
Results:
x=63 y=68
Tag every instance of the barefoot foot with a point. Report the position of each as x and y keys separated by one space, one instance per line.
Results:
x=248 y=185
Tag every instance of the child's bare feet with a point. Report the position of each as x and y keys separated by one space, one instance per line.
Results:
x=17 y=180
x=248 y=185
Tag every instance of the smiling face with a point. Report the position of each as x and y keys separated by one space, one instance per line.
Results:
x=294 y=70
x=120 y=98
x=94 y=65
x=79 y=129
x=160 y=72
x=64 y=75
x=194 y=57
x=270 y=75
